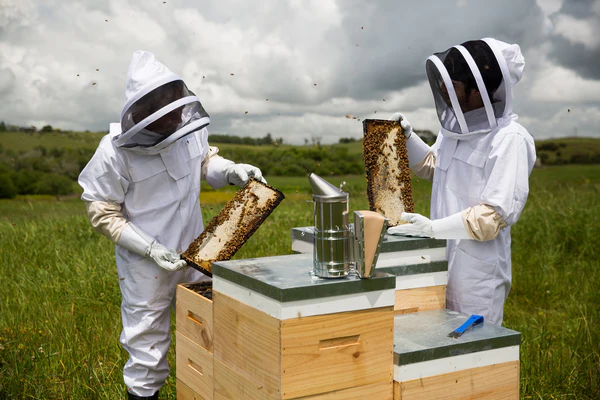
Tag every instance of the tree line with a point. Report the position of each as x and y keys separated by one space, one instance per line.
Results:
x=54 y=171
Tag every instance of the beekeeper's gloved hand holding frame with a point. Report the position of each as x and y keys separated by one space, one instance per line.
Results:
x=134 y=239
x=240 y=174
x=404 y=123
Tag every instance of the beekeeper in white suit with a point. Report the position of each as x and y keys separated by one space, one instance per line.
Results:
x=141 y=190
x=480 y=166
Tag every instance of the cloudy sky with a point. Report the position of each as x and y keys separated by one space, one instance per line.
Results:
x=64 y=62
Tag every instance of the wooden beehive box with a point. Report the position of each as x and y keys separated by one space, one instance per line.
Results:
x=194 y=341
x=483 y=363
x=280 y=333
x=389 y=186
x=419 y=265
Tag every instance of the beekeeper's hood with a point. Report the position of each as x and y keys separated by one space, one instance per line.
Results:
x=488 y=66
x=159 y=108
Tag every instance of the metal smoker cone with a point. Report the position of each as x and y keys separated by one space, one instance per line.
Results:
x=321 y=187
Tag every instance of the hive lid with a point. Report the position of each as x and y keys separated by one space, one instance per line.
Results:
x=288 y=278
x=415 y=269
x=423 y=336
x=390 y=243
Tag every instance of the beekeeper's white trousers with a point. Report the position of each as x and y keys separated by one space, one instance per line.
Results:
x=148 y=292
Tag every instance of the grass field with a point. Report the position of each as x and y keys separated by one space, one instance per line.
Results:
x=21 y=141
x=59 y=295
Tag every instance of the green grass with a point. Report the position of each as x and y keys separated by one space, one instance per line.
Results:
x=556 y=276
x=21 y=141
x=59 y=296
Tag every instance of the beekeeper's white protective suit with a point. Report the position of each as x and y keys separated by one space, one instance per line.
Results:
x=480 y=166
x=141 y=189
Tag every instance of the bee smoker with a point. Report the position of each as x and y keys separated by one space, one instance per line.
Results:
x=338 y=247
x=332 y=250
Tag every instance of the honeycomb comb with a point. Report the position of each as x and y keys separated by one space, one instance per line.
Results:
x=389 y=187
x=232 y=227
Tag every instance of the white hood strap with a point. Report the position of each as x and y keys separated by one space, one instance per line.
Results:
x=505 y=74
x=450 y=88
x=489 y=110
x=186 y=130
x=133 y=97
x=154 y=117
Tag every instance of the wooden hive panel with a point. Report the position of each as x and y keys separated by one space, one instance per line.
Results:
x=420 y=299
x=330 y=352
x=194 y=314
x=184 y=392
x=229 y=385
x=233 y=226
x=248 y=342
x=233 y=386
x=492 y=382
x=375 y=391
x=300 y=357
x=389 y=186
x=194 y=367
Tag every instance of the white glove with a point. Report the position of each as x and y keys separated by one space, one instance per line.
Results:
x=406 y=126
x=451 y=227
x=134 y=239
x=240 y=174
x=165 y=258
x=419 y=226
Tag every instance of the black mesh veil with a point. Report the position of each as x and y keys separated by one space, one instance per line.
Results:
x=467 y=86
x=160 y=115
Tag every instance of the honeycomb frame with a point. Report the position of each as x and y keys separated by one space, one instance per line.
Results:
x=248 y=214
x=389 y=185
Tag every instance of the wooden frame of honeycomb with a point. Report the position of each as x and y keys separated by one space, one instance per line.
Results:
x=389 y=187
x=233 y=226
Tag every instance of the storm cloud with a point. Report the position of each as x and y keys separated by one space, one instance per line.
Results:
x=292 y=68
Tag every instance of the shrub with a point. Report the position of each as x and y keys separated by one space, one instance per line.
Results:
x=53 y=184
x=550 y=146
x=25 y=180
x=8 y=190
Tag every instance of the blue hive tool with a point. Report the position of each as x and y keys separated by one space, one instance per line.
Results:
x=472 y=321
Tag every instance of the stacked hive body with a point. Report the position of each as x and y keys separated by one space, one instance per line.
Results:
x=234 y=224
x=389 y=187
x=419 y=265
x=223 y=236
x=194 y=342
x=281 y=333
x=274 y=331
x=483 y=363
